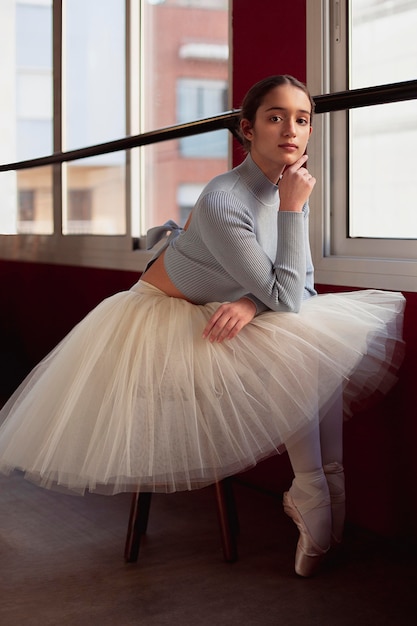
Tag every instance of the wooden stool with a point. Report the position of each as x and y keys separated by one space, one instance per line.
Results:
x=227 y=516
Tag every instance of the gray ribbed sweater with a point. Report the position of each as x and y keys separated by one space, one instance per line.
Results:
x=239 y=244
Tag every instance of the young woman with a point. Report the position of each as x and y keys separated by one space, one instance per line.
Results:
x=222 y=354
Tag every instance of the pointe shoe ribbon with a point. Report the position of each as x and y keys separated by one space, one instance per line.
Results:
x=309 y=554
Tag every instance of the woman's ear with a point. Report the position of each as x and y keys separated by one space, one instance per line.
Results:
x=246 y=129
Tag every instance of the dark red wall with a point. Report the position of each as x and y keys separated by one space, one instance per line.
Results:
x=40 y=303
x=48 y=300
x=268 y=38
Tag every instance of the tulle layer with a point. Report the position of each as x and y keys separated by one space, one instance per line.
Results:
x=134 y=399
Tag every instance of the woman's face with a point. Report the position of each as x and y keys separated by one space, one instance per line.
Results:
x=281 y=129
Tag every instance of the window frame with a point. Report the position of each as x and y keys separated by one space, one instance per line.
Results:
x=361 y=262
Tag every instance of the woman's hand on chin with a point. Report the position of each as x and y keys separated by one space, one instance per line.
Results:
x=295 y=186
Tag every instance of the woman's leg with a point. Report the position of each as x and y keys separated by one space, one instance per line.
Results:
x=309 y=490
x=331 y=430
x=331 y=441
x=316 y=501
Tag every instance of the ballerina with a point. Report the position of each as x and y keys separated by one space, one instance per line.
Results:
x=222 y=353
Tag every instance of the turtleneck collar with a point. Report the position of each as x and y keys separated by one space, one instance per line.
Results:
x=256 y=181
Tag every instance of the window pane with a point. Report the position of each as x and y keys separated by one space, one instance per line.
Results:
x=26 y=202
x=177 y=194
x=185 y=78
x=34 y=201
x=383 y=165
x=26 y=113
x=383 y=162
x=94 y=74
x=383 y=42
x=94 y=95
x=96 y=191
x=198 y=99
x=33 y=32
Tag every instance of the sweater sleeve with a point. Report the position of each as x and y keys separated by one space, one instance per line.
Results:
x=228 y=230
x=309 y=289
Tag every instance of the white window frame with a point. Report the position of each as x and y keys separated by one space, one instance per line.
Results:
x=362 y=262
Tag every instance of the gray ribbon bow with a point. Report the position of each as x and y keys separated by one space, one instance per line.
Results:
x=155 y=234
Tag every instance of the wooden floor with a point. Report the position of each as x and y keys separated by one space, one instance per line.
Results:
x=61 y=563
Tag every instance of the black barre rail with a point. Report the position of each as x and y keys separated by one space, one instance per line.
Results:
x=326 y=103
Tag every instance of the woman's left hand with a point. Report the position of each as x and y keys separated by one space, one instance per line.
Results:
x=229 y=319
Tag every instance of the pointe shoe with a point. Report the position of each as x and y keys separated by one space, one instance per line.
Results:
x=336 y=481
x=309 y=554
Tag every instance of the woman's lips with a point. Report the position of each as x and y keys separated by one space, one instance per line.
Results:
x=288 y=147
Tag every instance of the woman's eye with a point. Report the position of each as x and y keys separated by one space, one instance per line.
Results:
x=276 y=118
x=302 y=121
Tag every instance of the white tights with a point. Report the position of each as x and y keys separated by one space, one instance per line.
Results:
x=322 y=445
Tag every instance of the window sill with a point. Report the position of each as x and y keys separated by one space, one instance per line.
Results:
x=78 y=250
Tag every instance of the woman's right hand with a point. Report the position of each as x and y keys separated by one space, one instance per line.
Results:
x=295 y=186
x=229 y=319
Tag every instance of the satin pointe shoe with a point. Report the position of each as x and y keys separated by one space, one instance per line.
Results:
x=309 y=554
x=336 y=481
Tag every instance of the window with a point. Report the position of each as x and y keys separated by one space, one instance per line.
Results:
x=94 y=105
x=383 y=50
x=185 y=78
x=30 y=132
x=79 y=73
x=187 y=197
x=197 y=99
x=34 y=204
x=366 y=235
x=33 y=80
x=26 y=205
x=79 y=211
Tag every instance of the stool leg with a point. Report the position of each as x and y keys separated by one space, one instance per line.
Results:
x=138 y=523
x=228 y=521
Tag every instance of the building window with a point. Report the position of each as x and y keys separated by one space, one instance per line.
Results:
x=26 y=205
x=198 y=99
x=34 y=204
x=79 y=205
x=187 y=196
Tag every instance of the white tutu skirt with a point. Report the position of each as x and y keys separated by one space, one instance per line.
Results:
x=134 y=399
